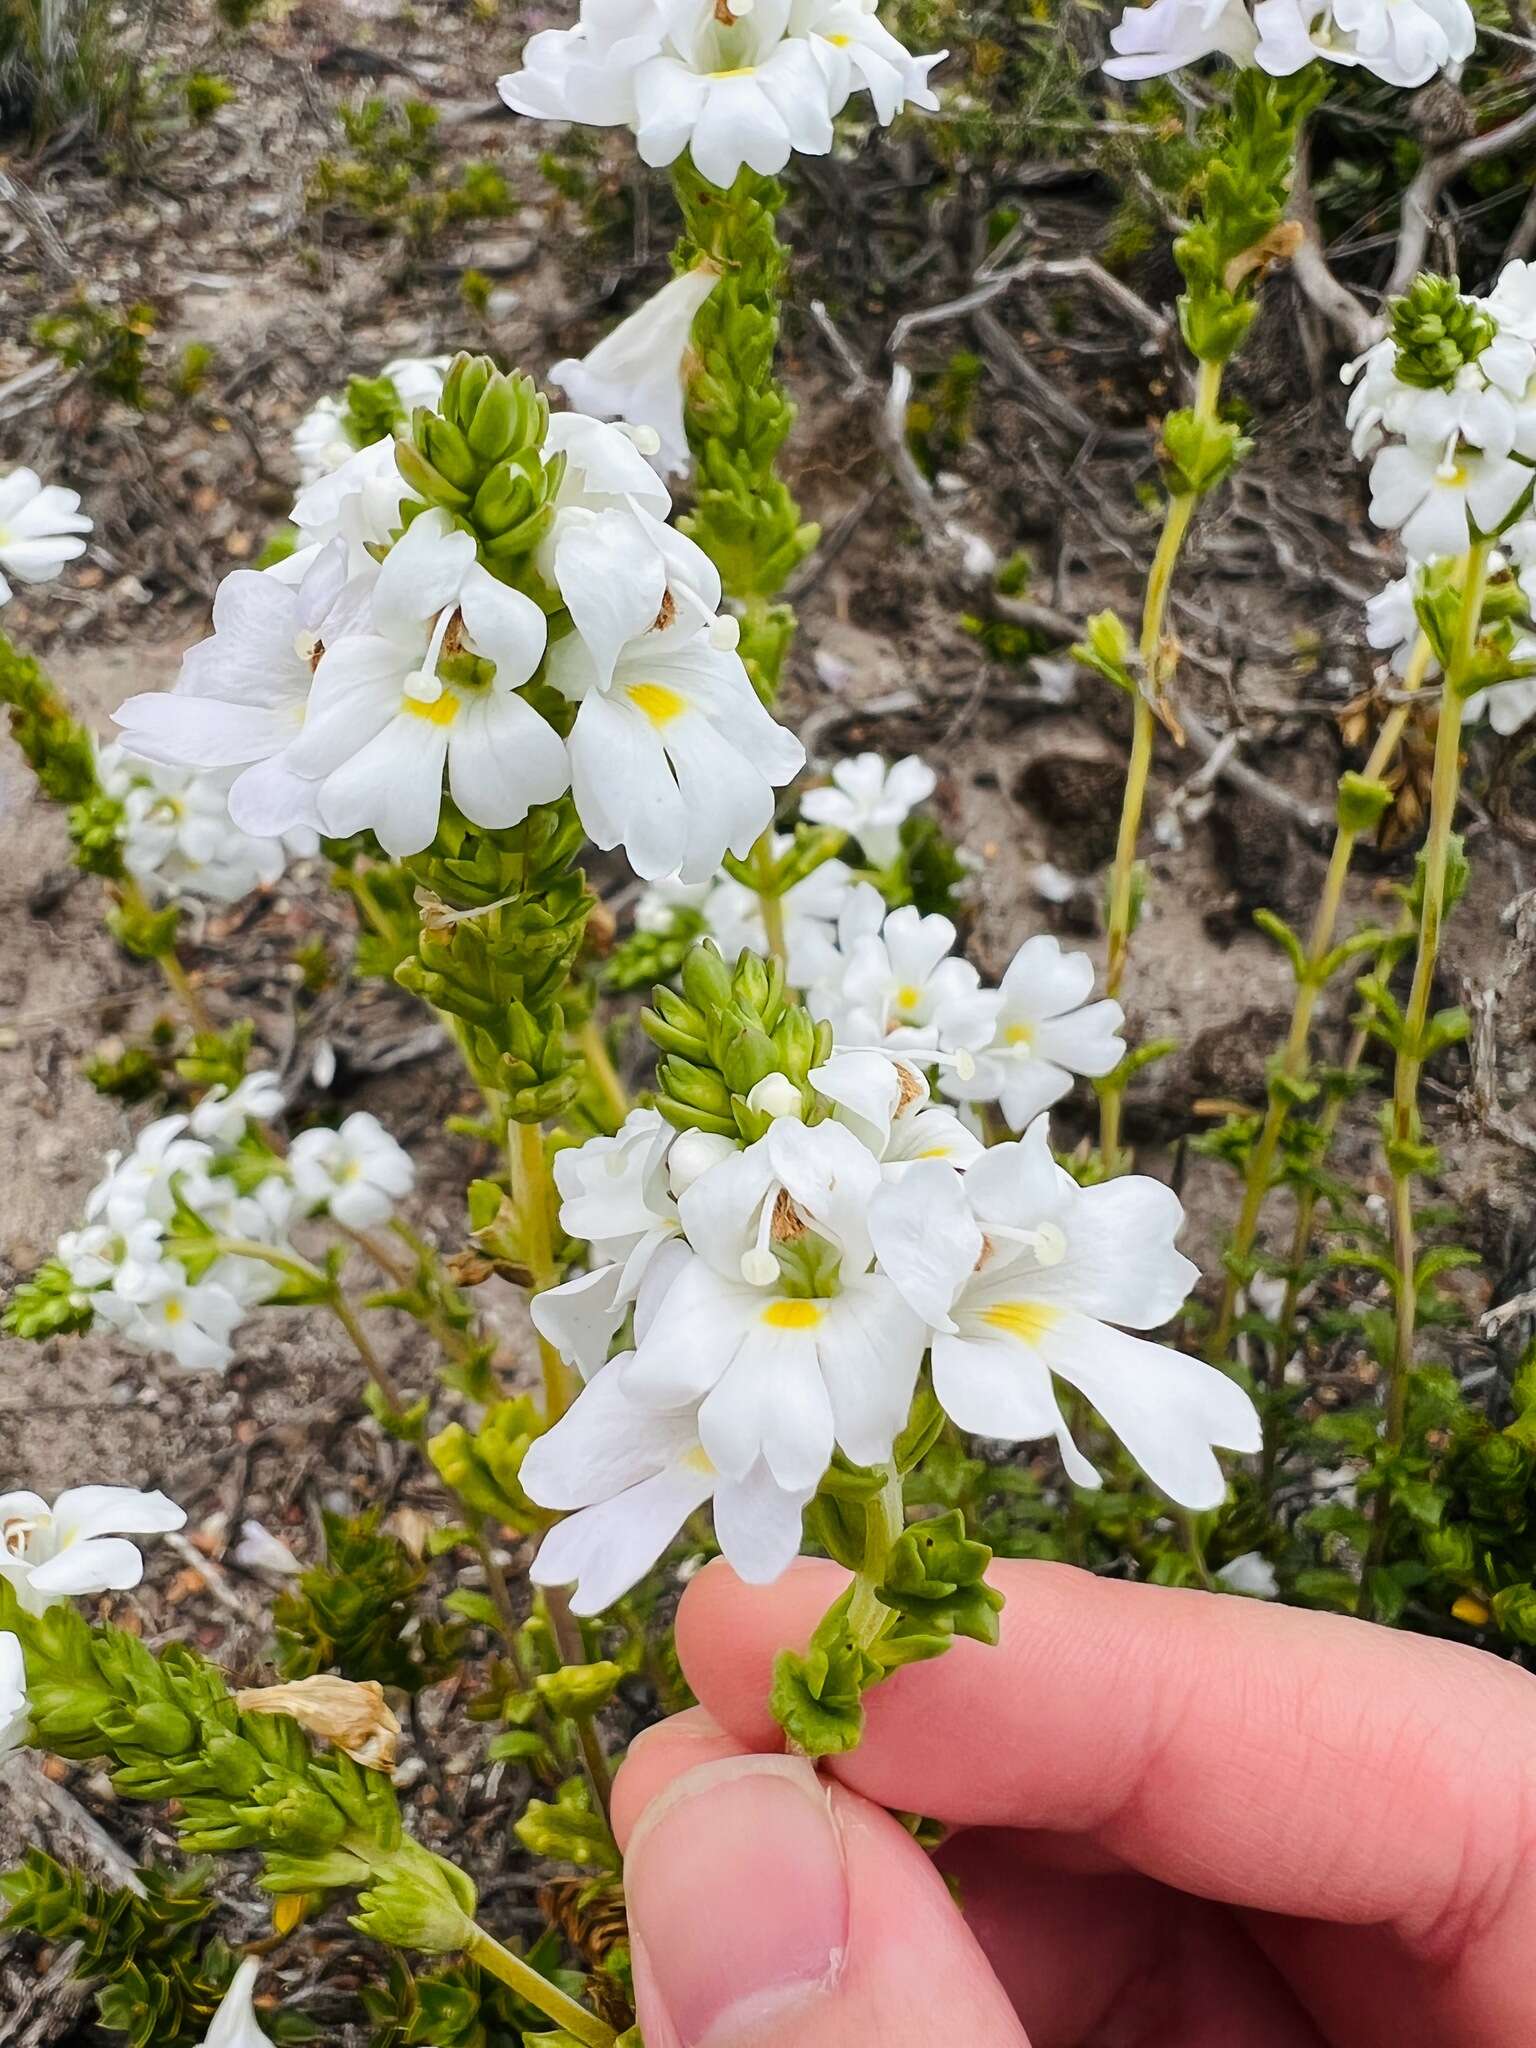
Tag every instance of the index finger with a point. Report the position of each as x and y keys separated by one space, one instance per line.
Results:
x=1295 y=1763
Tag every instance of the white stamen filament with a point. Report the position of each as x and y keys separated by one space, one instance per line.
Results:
x=1047 y=1240
x=424 y=684
x=964 y=1063
x=759 y=1268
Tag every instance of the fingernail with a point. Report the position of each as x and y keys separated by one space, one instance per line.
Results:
x=738 y=1895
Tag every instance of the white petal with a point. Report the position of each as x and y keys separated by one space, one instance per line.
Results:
x=926 y=1238
x=1167 y=1409
x=603 y=1550
x=758 y=1524
x=603 y=1444
x=771 y=1404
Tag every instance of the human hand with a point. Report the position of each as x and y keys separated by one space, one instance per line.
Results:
x=1178 y=1822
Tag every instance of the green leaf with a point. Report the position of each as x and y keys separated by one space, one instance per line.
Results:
x=817 y=1699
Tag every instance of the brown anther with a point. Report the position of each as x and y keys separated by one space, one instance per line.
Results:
x=315 y=654
x=453 y=639
x=910 y=1088
x=724 y=15
x=667 y=613
x=788 y=1223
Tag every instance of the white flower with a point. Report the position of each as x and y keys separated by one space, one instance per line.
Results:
x=625 y=574
x=321 y=442
x=242 y=694
x=1022 y=1275
x=234 y=2024
x=1252 y=1573
x=1169 y=34
x=433 y=680
x=1401 y=42
x=855 y=49
x=775 y=1324
x=358 y=504
x=617 y=1194
x=885 y=1103
x=14 y=1710
x=1392 y=625
x=1512 y=302
x=871 y=802
x=1509 y=705
x=177 y=835
x=901 y=987
x=586 y=73
x=357 y=1172
x=1374 y=386
x=79 y=1544
x=732 y=914
x=40 y=529
x=144 y=1182
x=222 y=1115
x=605 y=471
x=1046 y=1031
x=159 y=1308
x=635 y=1476
x=637 y=373
x=672 y=755
x=732 y=88
x=1429 y=494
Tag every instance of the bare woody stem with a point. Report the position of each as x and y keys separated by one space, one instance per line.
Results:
x=1295 y=1056
x=1154 y=612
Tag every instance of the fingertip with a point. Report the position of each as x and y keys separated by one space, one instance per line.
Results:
x=728 y=1634
x=660 y=1754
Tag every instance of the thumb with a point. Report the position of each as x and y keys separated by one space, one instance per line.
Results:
x=769 y=1909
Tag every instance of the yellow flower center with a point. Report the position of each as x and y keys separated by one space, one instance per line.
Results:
x=441 y=710
x=698 y=1460
x=659 y=704
x=741 y=71
x=1019 y=1034
x=792 y=1315
x=908 y=998
x=1029 y=1321
x=174 y=1310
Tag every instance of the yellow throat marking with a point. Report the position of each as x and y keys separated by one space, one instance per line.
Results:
x=1029 y=1321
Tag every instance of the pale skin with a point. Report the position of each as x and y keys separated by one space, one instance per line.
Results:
x=1176 y=1821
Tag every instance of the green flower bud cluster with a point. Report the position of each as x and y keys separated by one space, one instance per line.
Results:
x=498 y=957
x=1437 y=331
x=480 y=456
x=737 y=416
x=481 y=1467
x=62 y=756
x=1236 y=233
x=242 y=1781
x=47 y=1305
x=372 y=410
x=727 y=1030
x=159 y=1974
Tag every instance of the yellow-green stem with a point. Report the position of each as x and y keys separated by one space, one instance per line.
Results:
x=573 y=1650
x=547 y=1998
x=1153 y=680
x=884 y=1520
x=769 y=902
x=1294 y=1058
x=594 y=1050
x=1445 y=788
x=533 y=1206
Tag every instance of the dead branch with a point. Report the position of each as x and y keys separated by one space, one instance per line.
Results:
x=1422 y=195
